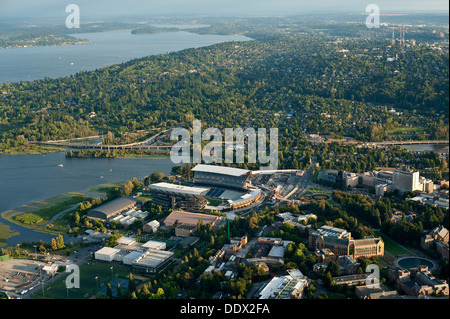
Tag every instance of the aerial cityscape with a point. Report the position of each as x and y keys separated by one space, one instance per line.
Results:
x=215 y=153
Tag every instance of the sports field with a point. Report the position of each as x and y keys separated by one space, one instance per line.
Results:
x=89 y=285
x=123 y=285
x=106 y=188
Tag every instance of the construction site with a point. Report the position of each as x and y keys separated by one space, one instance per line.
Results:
x=17 y=276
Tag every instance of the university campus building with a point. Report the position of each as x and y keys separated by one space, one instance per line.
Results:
x=173 y=196
x=341 y=243
x=231 y=185
x=112 y=208
x=222 y=176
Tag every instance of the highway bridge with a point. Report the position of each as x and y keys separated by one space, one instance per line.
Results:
x=436 y=142
x=143 y=145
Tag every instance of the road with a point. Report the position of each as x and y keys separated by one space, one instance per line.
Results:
x=302 y=183
x=146 y=144
x=59 y=215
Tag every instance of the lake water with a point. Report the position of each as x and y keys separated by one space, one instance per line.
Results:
x=29 y=178
x=103 y=49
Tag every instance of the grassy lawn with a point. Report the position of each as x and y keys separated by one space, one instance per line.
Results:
x=58 y=226
x=106 y=188
x=5 y=233
x=143 y=198
x=316 y=191
x=391 y=246
x=214 y=201
x=40 y=212
x=386 y=261
x=88 y=283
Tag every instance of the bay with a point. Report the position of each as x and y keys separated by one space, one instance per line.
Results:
x=28 y=178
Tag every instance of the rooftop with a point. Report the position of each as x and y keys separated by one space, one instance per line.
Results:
x=125 y=240
x=181 y=217
x=333 y=232
x=107 y=251
x=246 y=196
x=153 y=244
x=220 y=170
x=168 y=187
x=154 y=258
x=367 y=241
x=350 y=278
x=281 y=287
x=115 y=205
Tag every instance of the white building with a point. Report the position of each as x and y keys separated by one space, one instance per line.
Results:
x=351 y=179
x=381 y=189
x=290 y=286
x=50 y=269
x=153 y=244
x=426 y=185
x=151 y=260
x=106 y=254
x=277 y=251
x=152 y=226
x=132 y=257
x=406 y=180
x=126 y=241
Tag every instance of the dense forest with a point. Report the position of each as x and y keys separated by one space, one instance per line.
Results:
x=299 y=83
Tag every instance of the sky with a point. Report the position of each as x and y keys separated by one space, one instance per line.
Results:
x=38 y=9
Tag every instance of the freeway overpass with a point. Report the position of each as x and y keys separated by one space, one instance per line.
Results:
x=143 y=145
x=436 y=142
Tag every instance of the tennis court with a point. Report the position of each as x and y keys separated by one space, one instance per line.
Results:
x=123 y=285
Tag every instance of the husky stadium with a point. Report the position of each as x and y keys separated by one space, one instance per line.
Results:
x=230 y=187
x=222 y=176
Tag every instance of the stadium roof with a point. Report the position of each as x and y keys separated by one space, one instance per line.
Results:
x=246 y=196
x=220 y=170
x=173 y=188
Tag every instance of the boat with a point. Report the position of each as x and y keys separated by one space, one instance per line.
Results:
x=61 y=165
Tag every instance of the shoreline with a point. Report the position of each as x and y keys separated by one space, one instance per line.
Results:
x=44 y=45
x=39 y=150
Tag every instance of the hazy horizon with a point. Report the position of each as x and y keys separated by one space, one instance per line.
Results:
x=55 y=9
